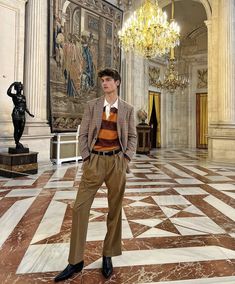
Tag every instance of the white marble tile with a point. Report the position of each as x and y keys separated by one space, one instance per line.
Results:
x=169 y=255
x=169 y=212
x=194 y=210
x=129 y=183
x=222 y=186
x=51 y=222
x=141 y=204
x=199 y=224
x=148 y=222
x=145 y=190
x=212 y=280
x=44 y=258
x=227 y=173
x=12 y=217
x=157 y=176
x=58 y=174
x=23 y=192
x=59 y=184
x=18 y=182
x=94 y=214
x=141 y=171
x=189 y=232
x=177 y=171
x=142 y=166
x=100 y=203
x=97 y=231
x=190 y=190
x=61 y=195
x=221 y=206
x=170 y=200
x=188 y=181
x=156 y=233
x=136 y=198
x=232 y=235
x=196 y=171
x=230 y=194
x=218 y=178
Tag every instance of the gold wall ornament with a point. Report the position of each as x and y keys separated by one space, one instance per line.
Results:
x=154 y=75
x=202 y=78
x=148 y=33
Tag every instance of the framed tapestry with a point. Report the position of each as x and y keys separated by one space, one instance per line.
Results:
x=82 y=39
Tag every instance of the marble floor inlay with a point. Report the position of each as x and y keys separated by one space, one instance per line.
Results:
x=178 y=223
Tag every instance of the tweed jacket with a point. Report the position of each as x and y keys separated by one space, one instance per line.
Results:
x=91 y=123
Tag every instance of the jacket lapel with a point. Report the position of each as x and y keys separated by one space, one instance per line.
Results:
x=99 y=111
x=121 y=114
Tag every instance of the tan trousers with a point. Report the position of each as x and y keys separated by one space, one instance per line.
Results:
x=99 y=169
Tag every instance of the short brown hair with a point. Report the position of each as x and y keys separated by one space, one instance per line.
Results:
x=111 y=72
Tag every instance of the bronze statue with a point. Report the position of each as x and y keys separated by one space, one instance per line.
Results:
x=18 y=113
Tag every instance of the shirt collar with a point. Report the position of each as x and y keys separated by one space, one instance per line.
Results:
x=113 y=105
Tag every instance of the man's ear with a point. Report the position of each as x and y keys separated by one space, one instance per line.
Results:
x=118 y=83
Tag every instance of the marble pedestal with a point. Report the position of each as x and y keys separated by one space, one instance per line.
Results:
x=16 y=165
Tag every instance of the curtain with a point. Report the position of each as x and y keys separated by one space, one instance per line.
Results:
x=158 y=116
x=150 y=108
x=203 y=120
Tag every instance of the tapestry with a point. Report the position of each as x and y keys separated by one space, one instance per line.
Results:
x=83 y=39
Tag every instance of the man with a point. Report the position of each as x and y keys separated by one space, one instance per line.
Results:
x=107 y=141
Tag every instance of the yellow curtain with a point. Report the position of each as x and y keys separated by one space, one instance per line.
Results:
x=150 y=108
x=203 y=120
x=158 y=116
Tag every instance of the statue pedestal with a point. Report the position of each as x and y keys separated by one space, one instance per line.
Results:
x=16 y=165
x=143 y=138
x=12 y=150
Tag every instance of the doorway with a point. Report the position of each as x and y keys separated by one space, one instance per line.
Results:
x=154 y=118
x=201 y=121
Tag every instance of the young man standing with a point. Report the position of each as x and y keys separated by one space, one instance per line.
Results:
x=107 y=141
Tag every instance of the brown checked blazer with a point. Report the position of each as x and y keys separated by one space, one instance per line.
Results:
x=91 y=123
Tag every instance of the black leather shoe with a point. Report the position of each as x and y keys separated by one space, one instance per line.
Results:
x=107 y=267
x=69 y=271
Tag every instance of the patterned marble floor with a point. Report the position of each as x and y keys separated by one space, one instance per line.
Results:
x=178 y=223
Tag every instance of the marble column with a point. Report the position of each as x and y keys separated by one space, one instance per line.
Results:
x=221 y=136
x=37 y=132
x=12 y=15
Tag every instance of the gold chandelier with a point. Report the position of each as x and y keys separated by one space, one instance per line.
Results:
x=172 y=80
x=148 y=33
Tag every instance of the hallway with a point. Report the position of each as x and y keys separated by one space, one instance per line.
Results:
x=178 y=223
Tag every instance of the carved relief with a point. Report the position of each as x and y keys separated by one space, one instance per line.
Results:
x=202 y=78
x=154 y=74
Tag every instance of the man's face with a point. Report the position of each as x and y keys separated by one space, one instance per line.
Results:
x=109 y=85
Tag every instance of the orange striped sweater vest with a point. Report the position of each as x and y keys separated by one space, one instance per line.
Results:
x=108 y=137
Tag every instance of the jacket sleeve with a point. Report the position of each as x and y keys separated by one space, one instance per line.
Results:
x=132 y=138
x=83 y=133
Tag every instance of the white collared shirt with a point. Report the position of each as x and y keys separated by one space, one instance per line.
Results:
x=109 y=106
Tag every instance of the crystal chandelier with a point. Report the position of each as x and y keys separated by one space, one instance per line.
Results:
x=148 y=33
x=172 y=80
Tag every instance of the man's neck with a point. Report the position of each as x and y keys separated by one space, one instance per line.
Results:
x=111 y=98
